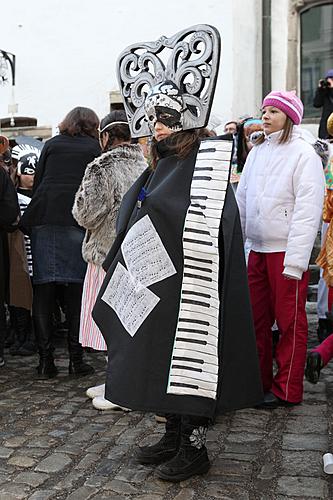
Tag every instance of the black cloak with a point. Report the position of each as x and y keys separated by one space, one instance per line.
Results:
x=145 y=366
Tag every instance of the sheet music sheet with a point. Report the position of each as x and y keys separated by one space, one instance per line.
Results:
x=131 y=301
x=145 y=255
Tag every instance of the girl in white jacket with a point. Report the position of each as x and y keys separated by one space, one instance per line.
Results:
x=280 y=198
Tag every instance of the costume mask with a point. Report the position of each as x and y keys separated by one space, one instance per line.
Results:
x=27 y=157
x=27 y=164
x=164 y=104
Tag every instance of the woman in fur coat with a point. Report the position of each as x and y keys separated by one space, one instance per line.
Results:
x=96 y=205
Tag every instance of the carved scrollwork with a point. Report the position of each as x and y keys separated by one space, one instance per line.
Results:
x=190 y=59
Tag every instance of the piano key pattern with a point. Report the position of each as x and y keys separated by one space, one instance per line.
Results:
x=195 y=362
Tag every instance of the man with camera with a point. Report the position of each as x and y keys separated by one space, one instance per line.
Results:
x=324 y=98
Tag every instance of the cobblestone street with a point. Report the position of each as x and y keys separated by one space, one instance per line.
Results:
x=55 y=445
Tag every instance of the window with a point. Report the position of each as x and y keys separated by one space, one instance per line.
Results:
x=316 y=52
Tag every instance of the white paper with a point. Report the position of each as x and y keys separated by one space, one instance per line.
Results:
x=145 y=255
x=131 y=301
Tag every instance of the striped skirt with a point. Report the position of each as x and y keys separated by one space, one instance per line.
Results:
x=90 y=336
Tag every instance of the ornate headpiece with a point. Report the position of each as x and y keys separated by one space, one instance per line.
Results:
x=27 y=158
x=184 y=83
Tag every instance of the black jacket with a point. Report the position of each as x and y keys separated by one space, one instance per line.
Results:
x=139 y=365
x=59 y=173
x=9 y=210
x=324 y=98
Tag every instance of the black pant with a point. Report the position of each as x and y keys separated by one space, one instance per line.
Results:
x=42 y=310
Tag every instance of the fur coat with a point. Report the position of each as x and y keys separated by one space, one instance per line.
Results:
x=98 y=199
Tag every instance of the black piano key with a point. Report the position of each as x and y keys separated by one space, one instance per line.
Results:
x=195 y=302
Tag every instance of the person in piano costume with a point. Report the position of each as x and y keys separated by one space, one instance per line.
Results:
x=174 y=306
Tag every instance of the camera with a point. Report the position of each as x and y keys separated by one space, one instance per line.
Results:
x=324 y=83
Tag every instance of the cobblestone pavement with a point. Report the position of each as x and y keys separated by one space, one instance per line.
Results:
x=55 y=445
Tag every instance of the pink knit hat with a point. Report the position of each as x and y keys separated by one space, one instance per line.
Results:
x=288 y=102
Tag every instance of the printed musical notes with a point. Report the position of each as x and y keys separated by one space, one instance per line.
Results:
x=145 y=255
x=147 y=263
x=131 y=301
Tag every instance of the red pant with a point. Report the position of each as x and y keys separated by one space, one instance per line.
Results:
x=274 y=297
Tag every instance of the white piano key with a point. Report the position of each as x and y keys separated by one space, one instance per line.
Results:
x=209 y=339
x=210 y=268
x=218 y=149
x=190 y=224
x=189 y=391
x=192 y=312
x=199 y=244
x=196 y=348
x=192 y=283
x=192 y=296
x=209 y=378
x=212 y=330
x=206 y=193
x=207 y=203
x=209 y=187
x=209 y=257
x=208 y=368
x=219 y=145
x=205 y=357
x=202 y=384
x=212 y=165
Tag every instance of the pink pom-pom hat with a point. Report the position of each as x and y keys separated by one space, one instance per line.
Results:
x=288 y=102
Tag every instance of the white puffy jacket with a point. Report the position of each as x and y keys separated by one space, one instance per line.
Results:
x=280 y=198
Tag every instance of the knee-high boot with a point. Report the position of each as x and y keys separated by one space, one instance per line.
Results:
x=73 y=294
x=42 y=318
x=192 y=458
x=22 y=327
x=167 y=447
x=3 y=328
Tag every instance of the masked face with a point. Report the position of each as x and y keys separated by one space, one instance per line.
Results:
x=164 y=105
x=27 y=164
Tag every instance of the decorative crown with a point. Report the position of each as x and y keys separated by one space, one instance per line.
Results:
x=190 y=59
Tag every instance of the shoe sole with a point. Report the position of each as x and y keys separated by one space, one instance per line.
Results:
x=113 y=408
x=182 y=477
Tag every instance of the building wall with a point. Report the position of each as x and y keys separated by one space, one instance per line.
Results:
x=247 y=58
x=66 y=51
x=279 y=26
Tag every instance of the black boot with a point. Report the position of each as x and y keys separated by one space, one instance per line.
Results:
x=46 y=368
x=3 y=330
x=10 y=335
x=167 y=447
x=324 y=328
x=29 y=347
x=192 y=458
x=22 y=324
x=42 y=318
x=77 y=366
x=80 y=368
x=314 y=364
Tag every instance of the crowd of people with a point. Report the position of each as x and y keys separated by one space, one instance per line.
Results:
x=178 y=265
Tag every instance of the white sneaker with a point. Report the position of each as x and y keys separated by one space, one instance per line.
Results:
x=93 y=392
x=100 y=403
